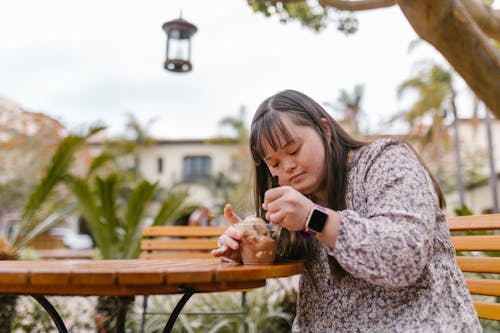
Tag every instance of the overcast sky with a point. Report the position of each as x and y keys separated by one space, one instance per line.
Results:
x=84 y=61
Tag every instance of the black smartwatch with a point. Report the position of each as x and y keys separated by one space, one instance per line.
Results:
x=316 y=220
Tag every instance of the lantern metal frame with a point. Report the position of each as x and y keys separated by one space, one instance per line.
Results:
x=178 y=29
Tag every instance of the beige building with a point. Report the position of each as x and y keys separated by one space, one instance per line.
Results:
x=187 y=162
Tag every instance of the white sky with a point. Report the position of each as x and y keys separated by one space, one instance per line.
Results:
x=85 y=61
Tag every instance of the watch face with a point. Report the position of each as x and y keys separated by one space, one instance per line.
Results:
x=317 y=220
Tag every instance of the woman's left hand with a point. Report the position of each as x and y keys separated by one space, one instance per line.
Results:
x=287 y=207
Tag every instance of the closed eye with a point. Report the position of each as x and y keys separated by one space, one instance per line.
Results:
x=296 y=151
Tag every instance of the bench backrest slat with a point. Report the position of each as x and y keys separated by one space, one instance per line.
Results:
x=182 y=242
x=473 y=261
x=185 y=244
x=487 y=310
x=182 y=231
x=487 y=287
x=474 y=222
x=476 y=243
x=479 y=264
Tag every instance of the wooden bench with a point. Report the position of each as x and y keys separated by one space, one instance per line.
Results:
x=184 y=242
x=476 y=239
x=168 y=242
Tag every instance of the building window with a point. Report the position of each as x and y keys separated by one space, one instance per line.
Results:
x=196 y=167
x=160 y=165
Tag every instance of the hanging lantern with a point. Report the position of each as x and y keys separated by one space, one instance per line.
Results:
x=179 y=34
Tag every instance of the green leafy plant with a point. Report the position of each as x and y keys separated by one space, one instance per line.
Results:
x=115 y=210
x=31 y=317
x=116 y=213
x=271 y=309
x=45 y=209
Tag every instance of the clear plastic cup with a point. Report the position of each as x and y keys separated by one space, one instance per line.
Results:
x=259 y=241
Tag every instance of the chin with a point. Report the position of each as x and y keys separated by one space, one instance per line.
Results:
x=304 y=190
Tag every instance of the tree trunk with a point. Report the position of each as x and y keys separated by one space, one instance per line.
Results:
x=7 y=312
x=447 y=25
x=108 y=312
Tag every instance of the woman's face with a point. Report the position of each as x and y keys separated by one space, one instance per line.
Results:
x=301 y=162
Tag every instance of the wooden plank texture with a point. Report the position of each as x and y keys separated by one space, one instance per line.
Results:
x=476 y=243
x=474 y=222
x=487 y=310
x=178 y=244
x=182 y=231
x=479 y=264
x=487 y=287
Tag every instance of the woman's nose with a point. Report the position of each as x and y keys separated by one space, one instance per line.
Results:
x=289 y=164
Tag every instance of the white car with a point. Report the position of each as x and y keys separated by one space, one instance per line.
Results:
x=73 y=240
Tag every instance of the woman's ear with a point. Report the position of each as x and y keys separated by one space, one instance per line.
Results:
x=328 y=129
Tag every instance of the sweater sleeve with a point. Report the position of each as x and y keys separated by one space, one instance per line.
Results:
x=386 y=237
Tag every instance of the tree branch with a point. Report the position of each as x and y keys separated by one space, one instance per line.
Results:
x=357 y=5
x=487 y=18
x=447 y=25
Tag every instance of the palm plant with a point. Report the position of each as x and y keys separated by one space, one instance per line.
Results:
x=433 y=86
x=115 y=213
x=41 y=213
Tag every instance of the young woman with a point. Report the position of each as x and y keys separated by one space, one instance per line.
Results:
x=378 y=255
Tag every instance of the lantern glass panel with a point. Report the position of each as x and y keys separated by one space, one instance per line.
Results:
x=178 y=49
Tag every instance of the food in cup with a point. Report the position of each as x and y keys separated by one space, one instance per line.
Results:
x=258 y=243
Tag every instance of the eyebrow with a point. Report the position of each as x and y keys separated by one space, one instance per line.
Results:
x=289 y=143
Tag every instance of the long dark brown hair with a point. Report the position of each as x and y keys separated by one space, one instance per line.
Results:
x=268 y=125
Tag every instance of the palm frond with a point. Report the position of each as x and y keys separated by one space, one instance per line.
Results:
x=99 y=161
x=106 y=192
x=57 y=169
x=92 y=214
x=45 y=225
x=172 y=208
x=139 y=199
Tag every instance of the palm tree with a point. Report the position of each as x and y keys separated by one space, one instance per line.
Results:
x=43 y=211
x=435 y=90
x=349 y=103
x=237 y=124
x=138 y=136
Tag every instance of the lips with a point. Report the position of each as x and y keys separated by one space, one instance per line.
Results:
x=297 y=178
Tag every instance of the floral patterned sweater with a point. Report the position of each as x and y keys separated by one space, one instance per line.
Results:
x=394 y=245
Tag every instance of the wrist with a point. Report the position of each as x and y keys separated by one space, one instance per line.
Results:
x=315 y=222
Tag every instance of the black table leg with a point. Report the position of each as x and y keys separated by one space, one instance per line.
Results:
x=56 y=318
x=177 y=310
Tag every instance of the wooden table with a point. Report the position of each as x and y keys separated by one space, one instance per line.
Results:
x=40 y=278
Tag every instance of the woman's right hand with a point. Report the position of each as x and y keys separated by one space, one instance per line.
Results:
x=229 y=246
